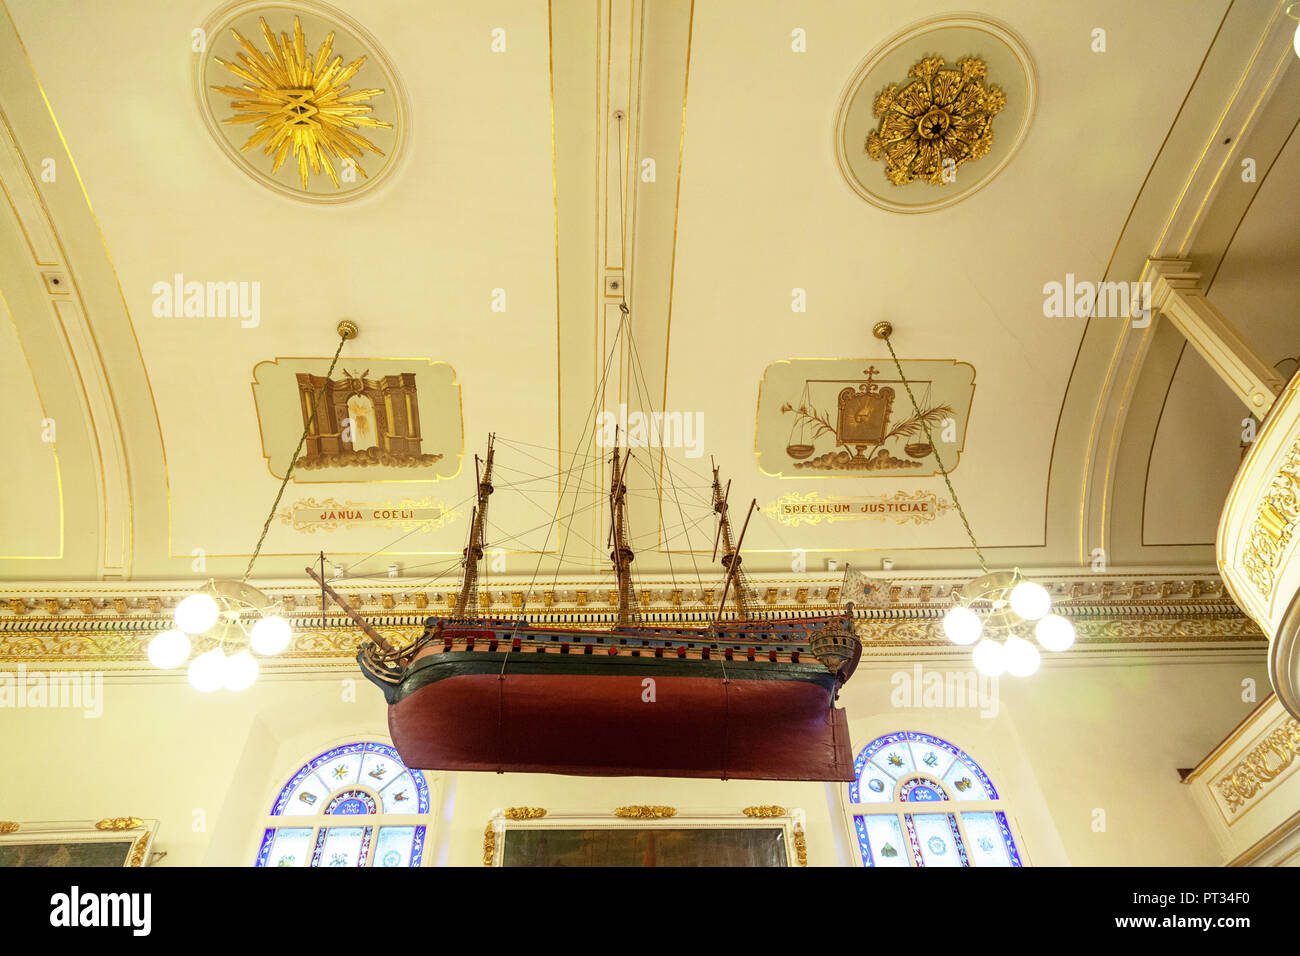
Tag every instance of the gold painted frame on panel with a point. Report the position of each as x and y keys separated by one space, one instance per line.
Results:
x=58 y=844
x=791 y=823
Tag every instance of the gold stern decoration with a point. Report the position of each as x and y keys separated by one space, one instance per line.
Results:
x=943 y=114
x=301 y=103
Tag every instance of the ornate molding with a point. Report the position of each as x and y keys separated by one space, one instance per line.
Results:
x=119 y=823
x=489 y=844
x=69 y=625
x=800 y=845
x=645 y=812
x=1264 y=763
x=136 y=857
x=524 y=813
x=1274 y=525
x=765 y=812
x=939 y=121
x=8 y=826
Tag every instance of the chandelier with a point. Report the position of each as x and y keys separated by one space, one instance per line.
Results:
x=997 y=611
x=240 y=618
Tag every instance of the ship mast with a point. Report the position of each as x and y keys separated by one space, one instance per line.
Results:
x=621 y=554
x=467 y=603
x=730 y=552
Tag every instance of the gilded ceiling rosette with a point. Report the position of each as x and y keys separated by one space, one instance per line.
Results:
x=939 y=121
x=301 y=97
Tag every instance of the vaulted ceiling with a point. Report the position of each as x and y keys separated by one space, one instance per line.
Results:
x=514 y=208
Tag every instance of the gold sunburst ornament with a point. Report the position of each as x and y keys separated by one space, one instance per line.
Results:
x=301 y=103
x=943 y=118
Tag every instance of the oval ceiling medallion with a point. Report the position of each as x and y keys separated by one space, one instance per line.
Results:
x=932 y=115
x=301 y=97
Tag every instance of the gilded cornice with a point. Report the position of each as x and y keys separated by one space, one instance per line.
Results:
x=112 y=627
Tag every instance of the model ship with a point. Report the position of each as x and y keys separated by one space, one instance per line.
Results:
x=741 y=698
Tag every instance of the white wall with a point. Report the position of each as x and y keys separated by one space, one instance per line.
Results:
x=1063 y=743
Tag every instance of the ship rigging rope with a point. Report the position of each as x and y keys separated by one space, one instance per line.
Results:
x=935 y=450
x=638 y=383
x=663 y=459
x=311 y=419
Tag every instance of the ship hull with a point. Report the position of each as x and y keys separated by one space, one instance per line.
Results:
x=617 y=716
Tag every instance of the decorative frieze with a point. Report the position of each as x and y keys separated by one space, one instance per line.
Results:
x=1106 y=610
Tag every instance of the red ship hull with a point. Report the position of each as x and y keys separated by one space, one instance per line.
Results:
x=613 y=716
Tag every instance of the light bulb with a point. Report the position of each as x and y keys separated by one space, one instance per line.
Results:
x=270 y=635
x=169 y=649
x=1022 y=657
x=990 y=657
x=1030 y=600
x=208 y=671
x=1054 y=632
x=962 y=625
x=241 y=671
x=196 y=613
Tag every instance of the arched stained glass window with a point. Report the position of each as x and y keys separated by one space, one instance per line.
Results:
x=896 y=772
x=386 y=804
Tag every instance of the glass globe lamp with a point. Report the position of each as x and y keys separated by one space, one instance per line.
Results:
x=270 y=635
x=962 y=625
x=197 y=613
x=207 y=672
x=990 y=657
x=169 y=649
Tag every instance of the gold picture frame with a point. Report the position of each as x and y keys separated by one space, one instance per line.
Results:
x=110 y=842
x=793 y=848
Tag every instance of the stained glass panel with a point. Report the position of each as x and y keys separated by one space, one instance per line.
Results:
x=935 y=840
x=307 y=798
x=931 y=758
x=895 y=759
x=400 y=794
x=965 y=783
x=342 y=846
x=882 y=839
x=986 y=844
x=289 y=847
x=874 y=786
x=393 y=848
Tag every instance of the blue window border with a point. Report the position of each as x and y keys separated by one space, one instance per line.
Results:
x=873 y=748
x=368 y=746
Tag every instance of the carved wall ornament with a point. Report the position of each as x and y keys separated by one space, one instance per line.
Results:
x=524 y=813
x=1265 y=762
x=800 y=845
x=489 y=844
x=136 y=857
x=8 y=826
x=939 y=121
x=765 y=812
x=643 y=812
x=1275 y=524
x=303 y=100
x=119 y=823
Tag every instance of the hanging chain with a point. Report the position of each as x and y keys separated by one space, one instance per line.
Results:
x=311 y=420
x=935 y=450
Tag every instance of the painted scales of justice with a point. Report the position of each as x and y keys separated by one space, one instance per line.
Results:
x=740 y=698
